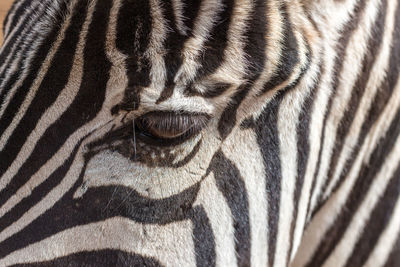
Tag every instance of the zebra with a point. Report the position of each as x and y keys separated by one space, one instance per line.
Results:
x=200 y=133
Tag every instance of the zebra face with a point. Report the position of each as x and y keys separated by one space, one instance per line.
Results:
x=165 y=115
x=185 y=84
x=200 y=133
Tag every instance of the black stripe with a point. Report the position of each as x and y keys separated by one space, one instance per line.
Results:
x=115 y=201
x=255 y=53
x=256 y=42
x=110 y=201
x=254 y=50
x=26 y=22
x=203 y=238
x=191 y=11
x=357 y=195
x=266 y=128
x=382 y=97
x=230 y=183
x=99 y=258
x=188 y=157
x=55 y=80
x=358 y=91
x=174 y=44
x=217 y=42
x=9 y=77
x=378 y=221
x=268 y=139
x=39 y=192
x=8 y=16
x=18 y=12
x=303 y=150
x=19 y=56
x=134 y=28
x=340 y=49
x=227 y=120
x=394 y=257
x=22 y=207
x=289 y=56
x=84 y=107
x=13 y=10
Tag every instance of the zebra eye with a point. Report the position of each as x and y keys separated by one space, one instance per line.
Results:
x=169 y=128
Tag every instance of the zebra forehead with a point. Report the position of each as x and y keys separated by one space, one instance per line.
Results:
x=174 y=49
x=207 y=133
x=169 y=48
x=205 y=33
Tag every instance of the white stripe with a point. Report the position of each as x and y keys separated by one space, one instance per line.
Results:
x=346 y=245
x=55 y=162
x=62 y=103
x=235 y=63
x=24 y=35
x=193 y=47
x=378 y=74
x=11 y=17
x=155 y=52
x=19 y=60
x=50 y=199
x=179 y=6
x=34 y=88
x=99 y=126
x=171 y=244
x=288 y=118
x=8 y=35
x=329 y=30
x=387 y=240
x=306 y=85
x=220 y=217
x=253 y=105
x=287 y=122
x=253 y=174
x=234 y=67
x=191 y=51
x=327 y=215
x=352 y=60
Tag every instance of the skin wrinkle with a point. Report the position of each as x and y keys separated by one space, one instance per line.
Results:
x=200 y=133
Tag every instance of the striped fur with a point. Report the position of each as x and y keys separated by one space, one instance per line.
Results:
x=290 y=152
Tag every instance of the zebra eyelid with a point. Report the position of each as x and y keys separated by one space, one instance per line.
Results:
x=170 y=128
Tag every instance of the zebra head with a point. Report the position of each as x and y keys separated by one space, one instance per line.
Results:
x=179 y=133
x=182 y=85
x=193 y=107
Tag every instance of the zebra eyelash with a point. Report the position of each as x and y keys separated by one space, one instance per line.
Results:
x=169 y=128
